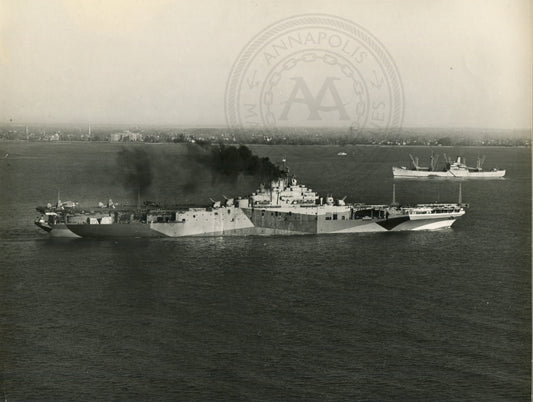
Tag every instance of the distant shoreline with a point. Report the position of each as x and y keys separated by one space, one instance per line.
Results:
x=61 y=142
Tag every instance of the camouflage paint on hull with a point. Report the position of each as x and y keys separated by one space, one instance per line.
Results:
x=235 y=221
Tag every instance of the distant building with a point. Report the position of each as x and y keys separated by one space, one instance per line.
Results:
x=126 y=136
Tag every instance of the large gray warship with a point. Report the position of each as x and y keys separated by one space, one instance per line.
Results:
x=285 y=207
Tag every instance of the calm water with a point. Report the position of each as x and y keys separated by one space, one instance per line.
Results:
x=395 y=316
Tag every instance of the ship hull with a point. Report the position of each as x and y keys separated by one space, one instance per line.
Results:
x=116 y=230
x=56 y=230
x=451 y=174
x=62 y=231
x=267 y=222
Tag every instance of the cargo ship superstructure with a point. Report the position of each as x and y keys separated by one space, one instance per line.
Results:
x=452 y=169
x=285 y=207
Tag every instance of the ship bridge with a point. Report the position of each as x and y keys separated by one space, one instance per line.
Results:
x=282 y=192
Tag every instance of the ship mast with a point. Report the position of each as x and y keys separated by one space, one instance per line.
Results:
x=480 y=162
x=415 y=162
x=460 y=194
x=394 y=195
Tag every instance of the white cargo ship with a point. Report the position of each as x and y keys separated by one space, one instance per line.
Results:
x=452 y=169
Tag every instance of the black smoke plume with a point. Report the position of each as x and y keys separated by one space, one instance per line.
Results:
x=134 y=170
x=181 y=172
x=228 y=162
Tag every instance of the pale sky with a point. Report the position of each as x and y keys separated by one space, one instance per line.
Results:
x=462 y=63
